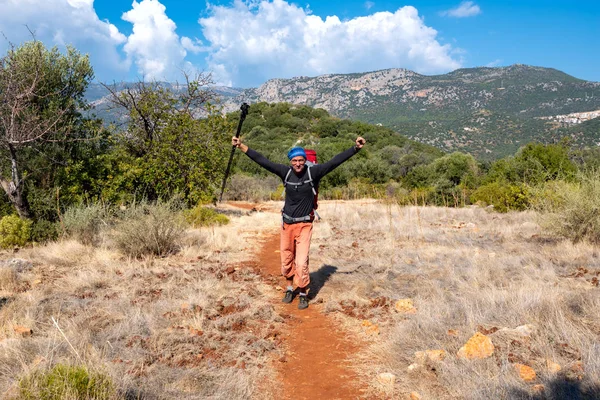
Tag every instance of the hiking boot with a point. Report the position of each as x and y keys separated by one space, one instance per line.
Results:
x=289 y=296
x=302 y=302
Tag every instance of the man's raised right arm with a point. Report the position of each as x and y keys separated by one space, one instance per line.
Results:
x=277 y=169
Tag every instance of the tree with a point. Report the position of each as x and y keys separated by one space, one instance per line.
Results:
x=167 y=148
x=41 y=93
x=148 y=106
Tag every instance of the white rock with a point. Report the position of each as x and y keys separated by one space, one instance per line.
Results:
x=386 y=378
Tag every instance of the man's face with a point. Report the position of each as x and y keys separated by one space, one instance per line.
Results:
x=298 y=163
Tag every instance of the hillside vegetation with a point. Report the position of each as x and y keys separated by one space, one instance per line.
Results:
x=486 y=112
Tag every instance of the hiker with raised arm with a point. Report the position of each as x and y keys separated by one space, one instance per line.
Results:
x=301 y=183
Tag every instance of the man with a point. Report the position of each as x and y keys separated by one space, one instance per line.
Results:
x=301 y=183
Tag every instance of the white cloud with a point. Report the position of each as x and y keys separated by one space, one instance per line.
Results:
x=193 y=46
x=154 y=46
x=252 y=42
x=494 y=63
x=369 y=5
x=464 y=9
x=63 y=22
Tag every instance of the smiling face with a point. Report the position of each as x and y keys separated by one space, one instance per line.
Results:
x=298 y=163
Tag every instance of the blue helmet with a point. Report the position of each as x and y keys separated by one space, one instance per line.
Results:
x=295 y=152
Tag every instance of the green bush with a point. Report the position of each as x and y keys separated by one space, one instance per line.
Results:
x=574 y=211
x=6 y=207
x=503 y=196
x=278 y=194
x=14 y=231
x=66 y=382
x=204 y=216
x=149 y=229
x=84 y=222
x=43 y=231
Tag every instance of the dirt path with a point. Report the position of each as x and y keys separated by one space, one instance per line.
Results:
x=316 y=365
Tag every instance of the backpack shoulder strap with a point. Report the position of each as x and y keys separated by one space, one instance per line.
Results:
x=285 y=181
x=310 y=180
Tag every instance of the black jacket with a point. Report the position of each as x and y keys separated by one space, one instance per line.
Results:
x=299 y=198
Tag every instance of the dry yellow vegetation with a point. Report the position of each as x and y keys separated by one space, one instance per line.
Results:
x=201 y=324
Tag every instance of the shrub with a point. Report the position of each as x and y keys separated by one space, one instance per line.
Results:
x=204 y=216
x=149 y=229
x=6 y=207
x=66 y=382
x=251 y=188
x=574 y=211
x=43 y=231
x=84 y=222
x=278 y=194
x=503 y=196
x=14 y=231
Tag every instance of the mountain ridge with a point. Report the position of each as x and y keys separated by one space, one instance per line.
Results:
x=486 y=111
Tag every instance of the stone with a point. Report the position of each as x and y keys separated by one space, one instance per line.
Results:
x=415 y=396
x=16 y=264
x=23 y=330
x=552 y=366
x=405 y=306
x=525 y=372
x=538 y=389
x=423 y=357
x=370 y=328
x=575 y=371
x=373 y=330
x=526 y=330
x=478 y=346
x=386 y=378
x=452 y=332
x=412 y=367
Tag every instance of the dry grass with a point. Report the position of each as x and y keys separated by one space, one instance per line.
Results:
x=199 y=324
x=466 y=270
x=194 y=325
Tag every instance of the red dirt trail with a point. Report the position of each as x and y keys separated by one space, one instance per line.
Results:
x=316 y=364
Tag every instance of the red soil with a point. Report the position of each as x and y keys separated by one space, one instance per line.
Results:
x=316 y=364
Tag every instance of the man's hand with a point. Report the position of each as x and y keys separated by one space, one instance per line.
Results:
x=360 y=142
x=237 y=142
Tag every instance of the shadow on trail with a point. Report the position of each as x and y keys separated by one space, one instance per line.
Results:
x=559 y=389
x=318 y=279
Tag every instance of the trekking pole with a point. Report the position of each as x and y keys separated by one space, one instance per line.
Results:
x=244 y=109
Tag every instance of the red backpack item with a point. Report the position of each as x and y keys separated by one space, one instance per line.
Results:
x=311 y=159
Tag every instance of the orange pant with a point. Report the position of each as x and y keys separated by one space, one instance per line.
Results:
x=295 y=243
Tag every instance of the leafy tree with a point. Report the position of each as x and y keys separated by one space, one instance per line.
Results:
x=536 y=163
x=41 y=93
x=533 y=164
x=166 y=150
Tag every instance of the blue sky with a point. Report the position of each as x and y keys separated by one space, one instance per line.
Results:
x=245 y=43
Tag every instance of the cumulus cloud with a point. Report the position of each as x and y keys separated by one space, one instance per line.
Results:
x=255 y=41
x=63 y=22
x=193 y=46
x=464 y=9
x=154 y=46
